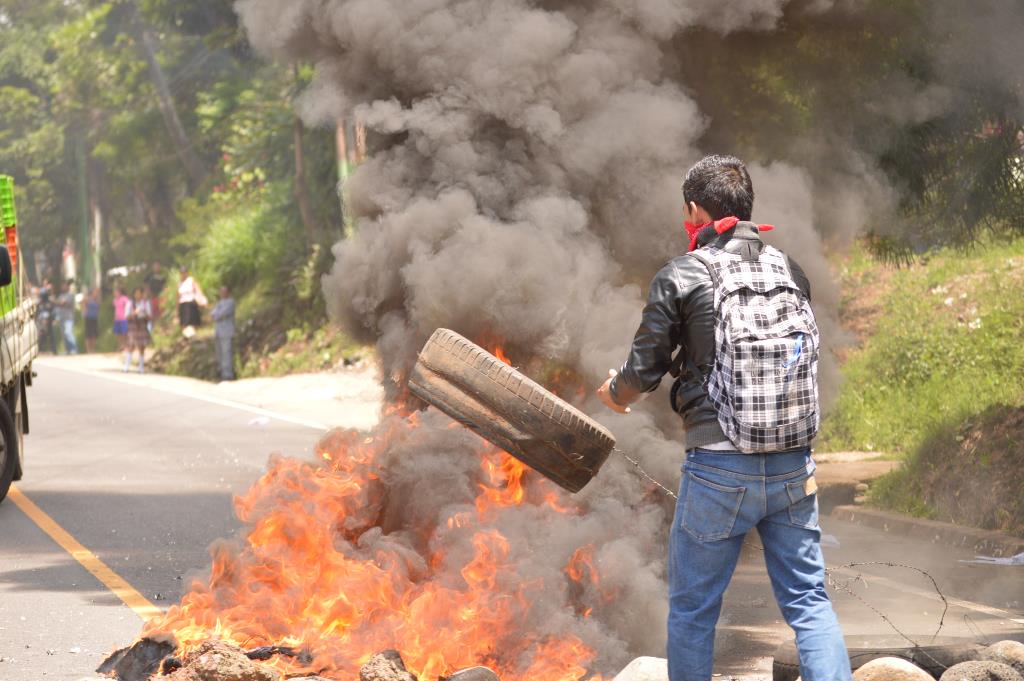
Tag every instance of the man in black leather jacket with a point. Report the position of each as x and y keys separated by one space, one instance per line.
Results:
x=725 y=493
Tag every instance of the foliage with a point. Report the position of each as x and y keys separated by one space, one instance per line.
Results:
x=947 y=346
x=84 y=126
x=310 y=349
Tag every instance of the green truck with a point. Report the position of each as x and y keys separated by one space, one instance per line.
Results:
x=19 y=343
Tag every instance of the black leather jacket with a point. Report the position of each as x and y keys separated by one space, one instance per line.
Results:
x=680 y=313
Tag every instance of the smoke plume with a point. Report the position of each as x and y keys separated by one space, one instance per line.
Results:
x=525 y=185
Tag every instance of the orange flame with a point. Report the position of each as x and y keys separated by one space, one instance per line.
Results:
x=316 y=570
x=499 y=352
x=581 y=565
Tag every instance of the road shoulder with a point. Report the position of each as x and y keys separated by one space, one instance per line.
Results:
x=984 y=542
x=347 y=399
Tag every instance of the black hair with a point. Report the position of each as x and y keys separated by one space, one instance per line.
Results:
x=720 y=185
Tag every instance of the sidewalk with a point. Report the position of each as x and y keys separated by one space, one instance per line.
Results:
x=348 y=399
x=839 y=473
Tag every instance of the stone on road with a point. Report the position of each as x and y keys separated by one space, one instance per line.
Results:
x=981 y=671
x=1007 y=652
x=644 y=669
x=891 y=669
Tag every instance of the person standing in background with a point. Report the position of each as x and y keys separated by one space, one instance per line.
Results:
x=45 y=319
x=156 y=281
x=91 y=314
x=66 y=318
x=139 y=312
x=223 y=314
x=190 y=299
x=121 y=302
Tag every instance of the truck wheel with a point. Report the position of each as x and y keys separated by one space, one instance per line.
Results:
x=16 y=405
x=8 y=449
x=505 y=407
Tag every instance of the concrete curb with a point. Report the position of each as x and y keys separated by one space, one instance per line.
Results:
x=982 y=542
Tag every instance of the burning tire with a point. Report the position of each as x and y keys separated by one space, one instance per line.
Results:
x=505 y=407
x=934 y=658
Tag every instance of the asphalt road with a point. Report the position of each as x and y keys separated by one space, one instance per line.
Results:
x=887 y=604
x=143 y=477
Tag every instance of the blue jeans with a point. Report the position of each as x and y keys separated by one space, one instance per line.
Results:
x=70 y=344
x=225 y=357
x=723 y=495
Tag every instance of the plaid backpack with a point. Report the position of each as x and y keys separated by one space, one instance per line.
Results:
x=764 y=382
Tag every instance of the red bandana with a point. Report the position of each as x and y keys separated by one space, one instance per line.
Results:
x=721 y=226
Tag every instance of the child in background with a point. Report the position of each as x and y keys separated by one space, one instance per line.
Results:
x=139 y=312
x=121 y=303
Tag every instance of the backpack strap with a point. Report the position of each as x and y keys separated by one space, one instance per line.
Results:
x=716 y=281
x=676 y=368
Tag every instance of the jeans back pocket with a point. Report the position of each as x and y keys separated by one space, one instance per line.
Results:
x=710 y=510
x=803 y=507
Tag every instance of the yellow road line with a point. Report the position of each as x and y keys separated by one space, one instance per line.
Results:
x=113 y=581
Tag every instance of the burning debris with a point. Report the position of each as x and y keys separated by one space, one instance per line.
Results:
x=419 y=538
x=218 y=661
x=385 y=666
x=140 y=660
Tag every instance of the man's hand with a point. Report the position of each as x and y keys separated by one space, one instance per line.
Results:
x=605 y=394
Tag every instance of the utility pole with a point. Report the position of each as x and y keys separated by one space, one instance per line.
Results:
x=83 y=206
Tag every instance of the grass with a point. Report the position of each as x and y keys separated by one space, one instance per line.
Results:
x=946 y=346
x=306 y=350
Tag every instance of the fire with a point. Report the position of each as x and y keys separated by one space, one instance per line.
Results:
x=581 y=566
x=506 y=484
x=499 y=352
x=318 y=570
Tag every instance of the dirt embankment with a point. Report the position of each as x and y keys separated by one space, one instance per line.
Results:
x=974 y=475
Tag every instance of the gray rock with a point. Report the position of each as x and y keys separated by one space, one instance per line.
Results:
x=472 y=674
x=981 y=671
x=1007 y=652
x=891 y=669
x=644 y=669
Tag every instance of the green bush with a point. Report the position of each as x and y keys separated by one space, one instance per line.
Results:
x=247 y=240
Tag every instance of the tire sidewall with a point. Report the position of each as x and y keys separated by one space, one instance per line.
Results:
x=16 y=406
x=9 y=431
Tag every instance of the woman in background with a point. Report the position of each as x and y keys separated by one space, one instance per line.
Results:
x=190 y=299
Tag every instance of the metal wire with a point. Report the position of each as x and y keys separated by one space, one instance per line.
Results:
x=644 y=474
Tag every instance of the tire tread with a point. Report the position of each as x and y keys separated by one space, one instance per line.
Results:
x=493 y=368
